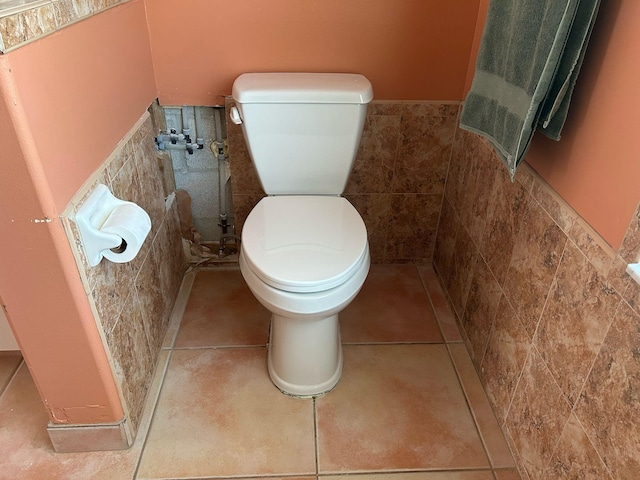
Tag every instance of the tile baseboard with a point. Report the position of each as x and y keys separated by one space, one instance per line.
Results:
x=87 y=438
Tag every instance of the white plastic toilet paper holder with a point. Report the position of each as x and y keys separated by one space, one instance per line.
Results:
x=91 y=216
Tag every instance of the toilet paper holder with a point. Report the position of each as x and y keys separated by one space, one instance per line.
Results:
x=91 y=217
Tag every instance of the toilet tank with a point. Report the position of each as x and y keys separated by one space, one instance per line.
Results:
x=302 y=129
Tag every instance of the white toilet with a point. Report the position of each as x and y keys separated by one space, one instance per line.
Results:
x=304 y=251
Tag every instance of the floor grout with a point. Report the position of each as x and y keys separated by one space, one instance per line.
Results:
x=318 y=473
x=150 y=418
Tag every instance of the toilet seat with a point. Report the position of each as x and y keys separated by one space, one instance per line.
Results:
x=304 y=243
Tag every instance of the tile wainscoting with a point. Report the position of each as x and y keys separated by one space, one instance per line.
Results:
x=32 y=23
x=397 y=182
x=549 y=316
x=132 y=301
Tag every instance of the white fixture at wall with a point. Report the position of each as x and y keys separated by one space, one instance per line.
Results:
x=633 y=269
x=111 y=228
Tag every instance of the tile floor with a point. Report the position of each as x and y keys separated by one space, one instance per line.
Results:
x=409 y=405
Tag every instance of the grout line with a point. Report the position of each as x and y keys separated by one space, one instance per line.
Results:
x=434 y=342
x=316 y=444
x=433 y=310
x=446 y=471
x=218 y=347
x=150 y=409
x=468 y=402
x=179 y=307
x=153 y=397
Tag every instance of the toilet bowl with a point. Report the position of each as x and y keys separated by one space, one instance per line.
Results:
x=304 y=258
x=304 y=252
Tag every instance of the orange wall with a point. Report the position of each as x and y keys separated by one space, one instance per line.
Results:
x=477 y=37
x=67 y=100
x=47 y=309
x=82 y=89
x=595 y=166
x=409 y=49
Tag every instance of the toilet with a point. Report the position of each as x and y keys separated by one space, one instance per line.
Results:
x=304 y=251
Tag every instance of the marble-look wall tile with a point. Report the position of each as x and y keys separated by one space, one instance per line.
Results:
x=148 y=288
x=480 y=309
x=375 y=211
x=397 y=181
x=132 y=358
x=427 y=136
x=575 y=456
x=458 y=282
x=445 y=239
x=65 y=12
x=575 y=321
x=597 y=251
x=537 y=415
x=33 y=23
x=244 y=180
x=411 y=228
x=630 y=249
x=609 y=405
x=554 y=205
x=132 y=301
x=472 y=171
x=536 y=255
x=166 y=248
x=504 y=357
x=242 y=206
x=25 y=26
x=505 y=214
x=373 y=168
x=560 y=365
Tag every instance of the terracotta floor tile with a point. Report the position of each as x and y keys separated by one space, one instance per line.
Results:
x=444 y=315
x=469 y=475
x=511 y=474
x=397 y=407
x=392 y=306
x=220 y=415
x=222 y=311
x=488 y=427
x=27 y=452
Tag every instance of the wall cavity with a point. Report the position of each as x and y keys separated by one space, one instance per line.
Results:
x=201 y=172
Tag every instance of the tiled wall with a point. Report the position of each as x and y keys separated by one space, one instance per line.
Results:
x=132 y=301
x=33 y=23
x=550 y=317
x=397 y=182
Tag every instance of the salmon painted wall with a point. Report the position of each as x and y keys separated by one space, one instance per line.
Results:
x=47 y=309
x=595 y=166
x=409 y=49
x=82 y=89
x=67 y=100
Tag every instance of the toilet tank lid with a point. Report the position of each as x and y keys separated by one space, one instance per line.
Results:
x=302 y=88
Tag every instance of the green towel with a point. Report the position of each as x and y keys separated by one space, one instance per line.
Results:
x=529 y=58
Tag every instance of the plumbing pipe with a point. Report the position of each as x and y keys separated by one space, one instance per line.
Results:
x=217 y=148
x=189 y=147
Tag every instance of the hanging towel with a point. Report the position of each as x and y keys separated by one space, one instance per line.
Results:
x=529 y=58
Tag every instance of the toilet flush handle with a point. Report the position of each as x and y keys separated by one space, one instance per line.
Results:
x=235 y=116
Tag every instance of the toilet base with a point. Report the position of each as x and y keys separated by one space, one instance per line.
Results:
x=305 y=354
